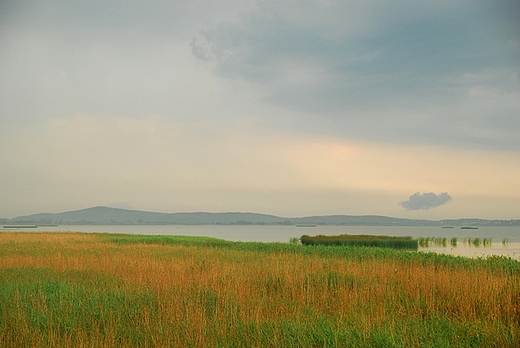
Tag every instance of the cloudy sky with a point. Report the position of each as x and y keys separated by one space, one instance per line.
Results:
x=402 y=108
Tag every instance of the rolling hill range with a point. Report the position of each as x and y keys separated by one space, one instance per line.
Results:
x=116 y=216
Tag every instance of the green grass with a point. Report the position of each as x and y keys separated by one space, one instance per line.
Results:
x=497 y=263
x=56 y=305
x=163 y=240
x=66 y=308
x=108 y=290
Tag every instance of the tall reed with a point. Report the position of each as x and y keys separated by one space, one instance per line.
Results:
x=362 y=240
x=453 y=241
x=85 y=290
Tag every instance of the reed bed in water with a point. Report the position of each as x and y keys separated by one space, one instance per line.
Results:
x=61 y=290
x=362 y=240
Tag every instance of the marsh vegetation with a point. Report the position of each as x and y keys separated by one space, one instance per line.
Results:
x=84 y=290
x=362 y=240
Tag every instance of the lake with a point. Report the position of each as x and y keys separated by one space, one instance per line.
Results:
x=259 y=233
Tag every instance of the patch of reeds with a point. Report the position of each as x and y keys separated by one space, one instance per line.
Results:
x=362 y=240
x=440 y=241
x=294 y=240
x=453 y=241
x=477 y=241
x=437 y=241
x=424 y=241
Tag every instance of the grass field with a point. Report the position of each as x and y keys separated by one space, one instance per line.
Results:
x=108 y=290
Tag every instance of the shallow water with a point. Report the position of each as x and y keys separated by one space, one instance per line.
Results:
x=285 y=233
x=511 y=250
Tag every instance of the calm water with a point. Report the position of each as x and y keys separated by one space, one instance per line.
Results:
x=285 y=233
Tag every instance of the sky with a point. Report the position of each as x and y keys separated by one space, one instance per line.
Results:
x=294 y=108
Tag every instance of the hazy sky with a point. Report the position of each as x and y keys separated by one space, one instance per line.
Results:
x=402 y=108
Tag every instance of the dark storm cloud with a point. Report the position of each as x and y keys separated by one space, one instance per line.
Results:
x=343 y=61
x=425 y=201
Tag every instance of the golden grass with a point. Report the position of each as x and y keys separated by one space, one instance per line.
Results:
x=204 y=292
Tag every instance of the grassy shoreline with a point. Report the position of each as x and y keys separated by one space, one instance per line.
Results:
x=112 y=290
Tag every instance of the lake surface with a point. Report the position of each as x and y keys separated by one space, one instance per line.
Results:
x=258 y=233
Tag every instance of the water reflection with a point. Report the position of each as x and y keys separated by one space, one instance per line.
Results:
x=510 y=250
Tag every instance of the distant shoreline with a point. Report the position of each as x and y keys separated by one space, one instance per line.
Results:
x=115 y=216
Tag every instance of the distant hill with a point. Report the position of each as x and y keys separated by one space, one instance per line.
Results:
x=115 y=216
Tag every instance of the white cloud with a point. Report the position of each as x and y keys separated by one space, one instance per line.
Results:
x=425 y=201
